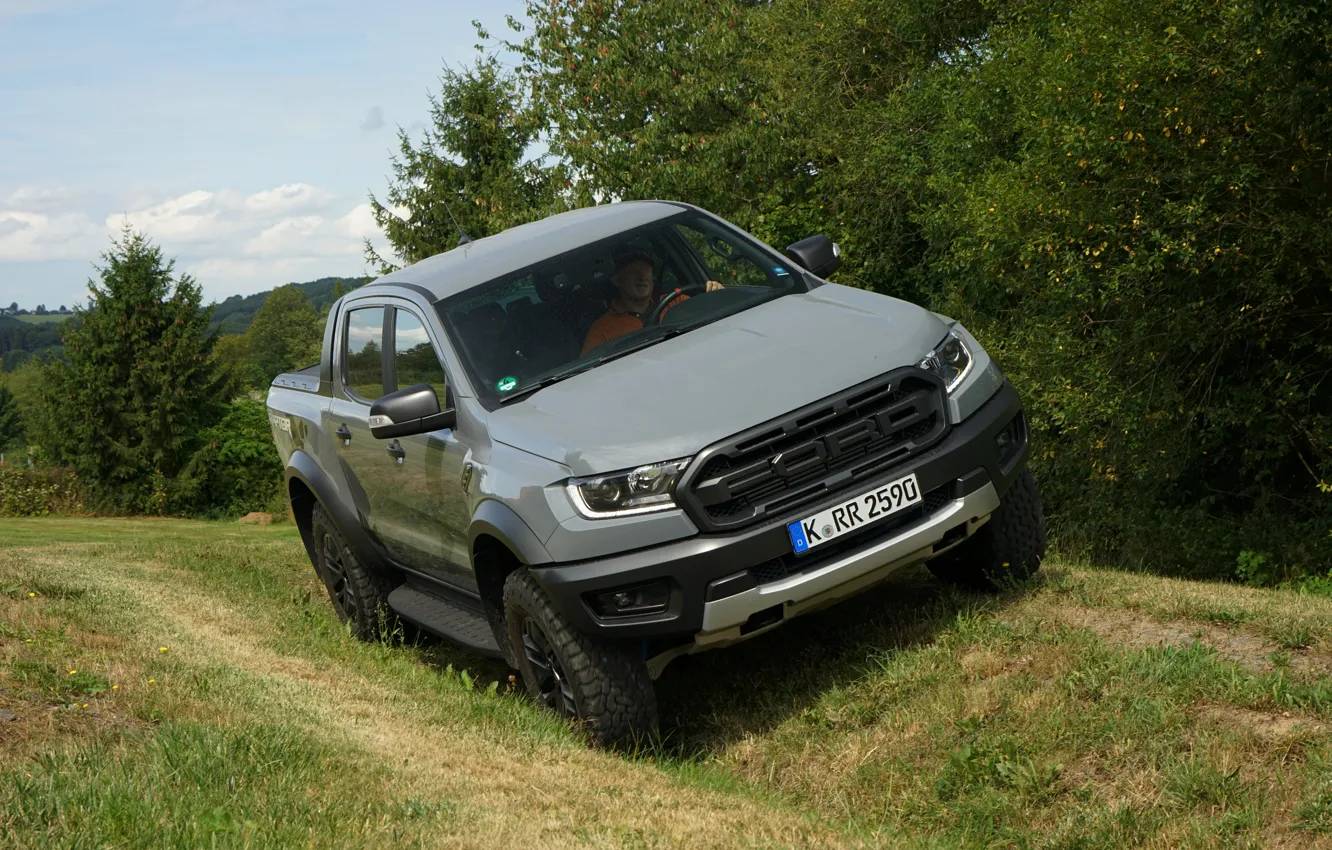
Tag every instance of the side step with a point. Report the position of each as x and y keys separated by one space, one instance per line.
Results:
x=464 y=626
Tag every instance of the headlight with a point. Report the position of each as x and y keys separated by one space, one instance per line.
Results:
x=949 y=360
x=633 y=491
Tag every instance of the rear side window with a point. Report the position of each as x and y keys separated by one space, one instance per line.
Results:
x=414 y=358
x=363 y=353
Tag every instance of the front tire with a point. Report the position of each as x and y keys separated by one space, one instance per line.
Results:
x=359 y=594
x=1007 y=549
x=602 y=684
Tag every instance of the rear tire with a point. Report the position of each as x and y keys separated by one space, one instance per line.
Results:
x=602 y=684
x=359 y=594
x=1006 y=550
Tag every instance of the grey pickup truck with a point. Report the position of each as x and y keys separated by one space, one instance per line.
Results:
x=596 y=442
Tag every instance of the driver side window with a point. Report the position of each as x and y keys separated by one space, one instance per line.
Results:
x=727 y=262
x=414 y=358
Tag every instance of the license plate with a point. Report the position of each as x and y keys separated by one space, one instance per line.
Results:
x=854 y=514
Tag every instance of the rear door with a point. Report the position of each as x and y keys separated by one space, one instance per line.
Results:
x=359 y=379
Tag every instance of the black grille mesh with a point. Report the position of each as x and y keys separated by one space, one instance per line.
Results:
x=779 y=467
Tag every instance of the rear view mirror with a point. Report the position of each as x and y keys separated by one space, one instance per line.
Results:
x=411 y=410
x=818 y=254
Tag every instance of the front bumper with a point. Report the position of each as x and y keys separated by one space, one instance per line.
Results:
x=725 y=587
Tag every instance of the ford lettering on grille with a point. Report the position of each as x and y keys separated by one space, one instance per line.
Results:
x=816 y=451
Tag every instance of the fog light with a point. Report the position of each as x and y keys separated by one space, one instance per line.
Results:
x=1010 y=441
x=650 y=598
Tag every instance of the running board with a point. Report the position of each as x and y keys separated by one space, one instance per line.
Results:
x=448 y=619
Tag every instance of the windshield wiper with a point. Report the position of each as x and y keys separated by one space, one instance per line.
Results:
x=539 y=385
x=642 y=344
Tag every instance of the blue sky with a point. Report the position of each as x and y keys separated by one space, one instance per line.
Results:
x=242 y=136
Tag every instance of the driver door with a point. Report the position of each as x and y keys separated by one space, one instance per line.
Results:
x=426 y=512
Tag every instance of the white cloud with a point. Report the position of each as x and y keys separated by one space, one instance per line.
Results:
x=189 y=218
x=360 y=223
x=40 y=199
x=230 y=241
x=289 y=198
x=26 y=235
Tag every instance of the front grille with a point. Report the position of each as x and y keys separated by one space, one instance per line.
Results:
x=791 y=563
x=804 y=456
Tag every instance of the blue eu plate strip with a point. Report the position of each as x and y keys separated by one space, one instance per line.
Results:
x=797 y=532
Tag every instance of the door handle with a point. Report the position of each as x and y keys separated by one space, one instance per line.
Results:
x=344 y=433
x=396 y=451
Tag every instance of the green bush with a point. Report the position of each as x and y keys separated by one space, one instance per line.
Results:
x=1138 y=230
x=237 y=470
x=38 y=491
x=1126 y=201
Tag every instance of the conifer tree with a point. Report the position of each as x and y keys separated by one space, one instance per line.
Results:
x=138 y=384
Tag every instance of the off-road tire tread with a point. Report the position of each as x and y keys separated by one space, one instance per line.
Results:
x=1009 y=548
x=612 y=688
x=374 y=619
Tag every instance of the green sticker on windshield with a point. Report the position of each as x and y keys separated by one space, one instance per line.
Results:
x=506 y=384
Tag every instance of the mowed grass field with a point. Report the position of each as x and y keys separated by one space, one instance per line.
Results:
x=185 y=684
x=34 y=319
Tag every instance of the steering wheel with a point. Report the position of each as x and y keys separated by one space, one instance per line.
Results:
x=654 y=314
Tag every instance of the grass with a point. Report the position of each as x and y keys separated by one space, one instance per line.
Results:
x=182 y=684
x=33 y=319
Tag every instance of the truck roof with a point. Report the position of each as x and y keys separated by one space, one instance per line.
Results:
x=485 y=259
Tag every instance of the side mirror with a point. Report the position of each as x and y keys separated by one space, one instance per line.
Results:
x=818 y=254
x=411 y=410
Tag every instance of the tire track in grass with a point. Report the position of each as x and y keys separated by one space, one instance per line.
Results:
x=513 y=786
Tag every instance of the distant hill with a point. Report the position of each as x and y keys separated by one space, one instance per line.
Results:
x=22 y=337
x=234 y=315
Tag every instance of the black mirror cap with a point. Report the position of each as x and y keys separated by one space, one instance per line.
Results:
x=411 y=410
x=817 y=254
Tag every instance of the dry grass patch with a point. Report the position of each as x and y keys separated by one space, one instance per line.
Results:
x=231 y=659
x=1090 y=710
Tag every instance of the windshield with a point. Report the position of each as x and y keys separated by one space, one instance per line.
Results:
x=577 y=310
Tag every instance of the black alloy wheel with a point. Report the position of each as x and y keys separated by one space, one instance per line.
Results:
x=359 y=592
x=554 y=690
x=335 y=579
x=602 y=685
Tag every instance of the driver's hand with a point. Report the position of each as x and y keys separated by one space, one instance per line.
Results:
x=713 y=286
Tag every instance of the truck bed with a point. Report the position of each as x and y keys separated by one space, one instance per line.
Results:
x=305 y=380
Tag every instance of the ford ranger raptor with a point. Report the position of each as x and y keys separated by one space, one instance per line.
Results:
x=593 y=443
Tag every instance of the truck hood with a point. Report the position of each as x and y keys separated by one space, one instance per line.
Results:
x=674 y=398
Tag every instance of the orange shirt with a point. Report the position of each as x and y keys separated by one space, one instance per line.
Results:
x=616 y=324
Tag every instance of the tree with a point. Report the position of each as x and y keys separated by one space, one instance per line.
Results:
x=24 y=382
x=13 y=307
x=234 y=357
x=138 y=384
x=674 y=100
x=471 y=163
x=11 y=421
x=41 y=310
x=339 y=289
x=286 y=334
x=237 y=469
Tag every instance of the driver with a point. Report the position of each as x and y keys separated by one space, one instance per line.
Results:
x=634 y=290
